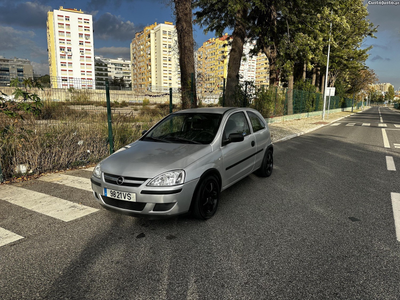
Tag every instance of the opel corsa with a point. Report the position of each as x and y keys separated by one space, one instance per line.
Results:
x=184 y=162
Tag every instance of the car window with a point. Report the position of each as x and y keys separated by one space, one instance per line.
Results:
x=237 y=123
x=192 y=128
x=256 y=122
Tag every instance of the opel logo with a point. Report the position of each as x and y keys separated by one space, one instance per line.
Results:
x=120 y=180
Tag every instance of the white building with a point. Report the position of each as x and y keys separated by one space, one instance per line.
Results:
x=247 y=71
x=70 y=48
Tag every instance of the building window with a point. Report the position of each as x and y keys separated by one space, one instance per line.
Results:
x=87 y=29
x=68 y=42
x=81 y=35
x=62 y=42
x=80 y=43
x=61 y=25
x=61 y=33
x=67 y=26
x=66 y=18
x=80 y=28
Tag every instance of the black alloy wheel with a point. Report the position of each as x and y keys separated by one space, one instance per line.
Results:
x=267 y=164
x=206 y=198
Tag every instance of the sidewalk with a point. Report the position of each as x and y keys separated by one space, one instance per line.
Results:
x=285 y=130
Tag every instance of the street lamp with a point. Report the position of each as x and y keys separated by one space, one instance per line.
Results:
x=327 y=67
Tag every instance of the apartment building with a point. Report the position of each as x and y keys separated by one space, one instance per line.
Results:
x=262 y=71
x=212 y=66
x=101 y=72
x=155 y=59
x=11 y=68
x=70 y=48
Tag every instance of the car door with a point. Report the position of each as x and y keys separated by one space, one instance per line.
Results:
x=261 y=136
x=238 y=157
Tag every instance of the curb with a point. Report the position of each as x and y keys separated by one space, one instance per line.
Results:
x=291 y=136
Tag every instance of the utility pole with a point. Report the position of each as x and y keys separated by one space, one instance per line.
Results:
x=327 y=68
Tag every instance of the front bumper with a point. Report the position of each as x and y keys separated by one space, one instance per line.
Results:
x=150 y=201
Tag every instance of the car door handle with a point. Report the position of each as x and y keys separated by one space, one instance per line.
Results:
x=252 y=143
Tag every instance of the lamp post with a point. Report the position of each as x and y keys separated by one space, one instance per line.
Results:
x=327 y=68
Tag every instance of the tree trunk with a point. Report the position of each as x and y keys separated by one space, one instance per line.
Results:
x=305 y=71
x=183 y=12
x=314 y=75
x=318 y=84
x=235 y=56
x=290 y=95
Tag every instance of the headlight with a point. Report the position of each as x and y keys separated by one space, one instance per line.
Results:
x=97 y=171
x=168 y=178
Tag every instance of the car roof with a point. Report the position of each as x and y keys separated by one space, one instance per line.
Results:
x=210 y=110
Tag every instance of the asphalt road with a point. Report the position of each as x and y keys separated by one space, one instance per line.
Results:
x=321 y=227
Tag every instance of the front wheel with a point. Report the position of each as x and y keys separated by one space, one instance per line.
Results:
x=267 y=164
x=206 y=198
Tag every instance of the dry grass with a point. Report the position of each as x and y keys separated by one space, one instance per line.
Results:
x=66 y=136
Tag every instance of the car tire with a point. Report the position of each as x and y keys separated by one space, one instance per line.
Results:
x=206 y=198
x=267 y=164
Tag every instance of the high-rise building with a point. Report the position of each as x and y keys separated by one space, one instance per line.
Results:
x=110 y=68
x=70 y=48
x=14 y=68
x=212 y=67
x=262 y=71
x=155 y=59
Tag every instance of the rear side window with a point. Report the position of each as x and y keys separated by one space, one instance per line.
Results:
x=256 y=122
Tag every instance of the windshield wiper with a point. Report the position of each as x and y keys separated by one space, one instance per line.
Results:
x=176 y=138
x=156 y=139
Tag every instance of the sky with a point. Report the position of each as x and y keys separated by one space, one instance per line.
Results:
x=23 y=30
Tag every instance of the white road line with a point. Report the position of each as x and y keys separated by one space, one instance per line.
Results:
x=386 y=143
x=335 y=124
x=390 y=163
x=396 y=145
x=45 y=204
x=350 y=124
x=7 y=237
x=396 y=213
x=366 y=124
x=381 y=119
x=68 y=180
x=397 y=125
x=382 y=125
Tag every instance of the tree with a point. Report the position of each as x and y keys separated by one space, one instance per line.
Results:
x=217 y=15
x=390 y=93
x=184 y=28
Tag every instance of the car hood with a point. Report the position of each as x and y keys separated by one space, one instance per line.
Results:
x=148 y=159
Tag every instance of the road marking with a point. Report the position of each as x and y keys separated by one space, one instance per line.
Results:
x=390 y=163
x=335 y=124
x=68 y=180
x=382 y=125
x=396 y=125
x=366 y=124
x=45 y=204
x=7 y=237
x=381 y=119
x=350 y=124
x=396 y=145
x=396 y=213
x=386 y=143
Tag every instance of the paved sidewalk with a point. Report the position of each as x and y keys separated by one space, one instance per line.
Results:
x=281 y=131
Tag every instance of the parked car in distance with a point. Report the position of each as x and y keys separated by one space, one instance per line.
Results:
x=184 y=162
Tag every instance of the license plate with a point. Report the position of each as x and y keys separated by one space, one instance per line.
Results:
x=126 y=196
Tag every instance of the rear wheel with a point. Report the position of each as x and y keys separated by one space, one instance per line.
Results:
x=267 y=164
x=206 y=198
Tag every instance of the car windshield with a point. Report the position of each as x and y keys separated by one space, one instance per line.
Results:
x=187 y=128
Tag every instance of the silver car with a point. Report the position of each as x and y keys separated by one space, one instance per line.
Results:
x=184 y=161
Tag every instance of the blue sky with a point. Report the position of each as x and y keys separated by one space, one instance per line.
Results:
x=23 y=30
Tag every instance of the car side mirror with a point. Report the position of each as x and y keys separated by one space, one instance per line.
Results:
x=144 y=131
x=233 y=138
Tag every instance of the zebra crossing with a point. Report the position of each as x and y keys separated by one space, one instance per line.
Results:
x=380 y=125
x=45 y=204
